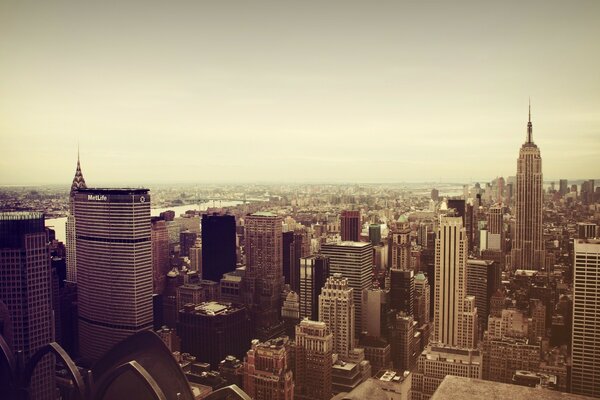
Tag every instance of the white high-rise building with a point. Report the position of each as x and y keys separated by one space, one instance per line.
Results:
x=336 y=309
x=354 y=260
x=114 y=260
x=585 y=349
x=454 y=313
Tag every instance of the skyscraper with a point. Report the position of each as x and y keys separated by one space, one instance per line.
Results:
x=71 y=256
x=354 y=260
x=314 y=349
x=267 y=370
x=114 y=259
x=263 y=281
x=585 y=348
x=422 y=299
x=528 y=251
x=453 y=310
x=336 y=309
x=402 y=290
x=160 y=253
x=218 y=245
x=25 y=289
x=400 y=247
x=350 y=225
x=314 y=271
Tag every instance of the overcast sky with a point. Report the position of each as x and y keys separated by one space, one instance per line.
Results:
x=224 y=91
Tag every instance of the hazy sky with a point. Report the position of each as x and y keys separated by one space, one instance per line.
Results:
x=223 y=91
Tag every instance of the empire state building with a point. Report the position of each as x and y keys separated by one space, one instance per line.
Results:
x=527 y=250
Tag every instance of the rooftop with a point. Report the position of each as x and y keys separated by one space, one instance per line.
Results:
x=454 y=387
x=263 y=214
x=114 y=190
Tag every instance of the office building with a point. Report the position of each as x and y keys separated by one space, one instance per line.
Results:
x=483 y=280
x=263 y=280
x=375 y=234
x=403 y=336
x=402 y=290
x=211 y=331
x=160 y=254
x=336 y=309
x=114 y=267
x=354 y=261
x=71 y=255
x=527 y=246
x=350 y=226
x=453 y=310
x=289 y=255
x=267 y=370
x=585 y=346
x=436 y=362
x=314 y=350
x=187 y=239
x=374 y=305
x=399 y=247
x=563 y=187
x=26 y=291
x=422 y=299
x=218 y=245
x=587 y=230
x=314 y=271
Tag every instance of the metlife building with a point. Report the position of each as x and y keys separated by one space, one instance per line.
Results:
x=114 y=266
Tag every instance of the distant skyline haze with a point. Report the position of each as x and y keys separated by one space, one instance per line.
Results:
x=280 y=91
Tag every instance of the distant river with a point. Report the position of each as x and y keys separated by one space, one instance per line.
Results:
x=58 y=224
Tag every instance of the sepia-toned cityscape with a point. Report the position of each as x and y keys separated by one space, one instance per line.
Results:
x=297 y=200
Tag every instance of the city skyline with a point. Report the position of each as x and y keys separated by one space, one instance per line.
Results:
x=275 y=92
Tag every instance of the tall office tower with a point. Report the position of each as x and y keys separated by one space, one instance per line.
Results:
x=314 y=349
x=483 y=280
x=375 y=310
x=314 y=271
x=218 y=245
x=354 y=261
x=336 y=309
x=435 y=194
x=585 y=347
x=537 y=312
x=435 y=363
x=350 y=226
x=528 y=246
x=196 y=258
x=263 y=281
x=451 y=320
x=471 y=215
x=587 y=192
x=495 y=231
x=301 y=249
x=114 y=267
x=187 y=239
x=267 y=370
x=586 y=230
x=26 y=290
x=402 y=290
x=422 y=299
x=290 y=313
x=400 y=246
x=403 y=343
x=211 y=331
x=160 y=253
x=422 y=235
x=71 y=256
x=289 y=255
x=563 y=186
x=375 y=234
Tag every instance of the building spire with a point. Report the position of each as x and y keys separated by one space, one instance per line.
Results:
x=78 y=181
x=529 y=126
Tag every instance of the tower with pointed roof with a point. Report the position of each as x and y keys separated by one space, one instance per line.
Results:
x=78 y=183
x=527 y=249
